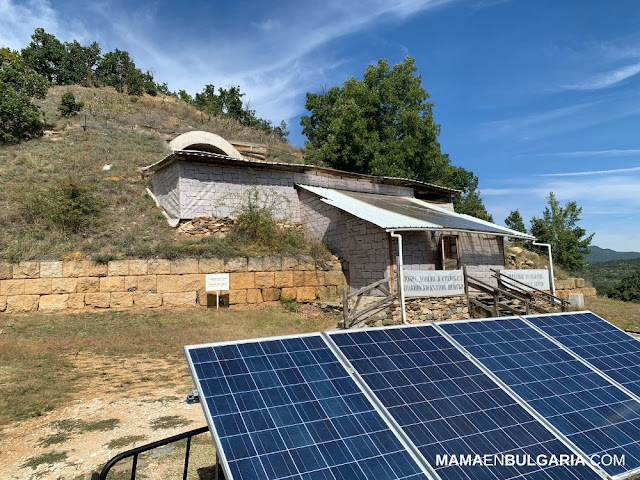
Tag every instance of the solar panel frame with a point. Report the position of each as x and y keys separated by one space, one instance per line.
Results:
x=222 y=453
x=636 y=383
x=499 y=384
x=623 y=475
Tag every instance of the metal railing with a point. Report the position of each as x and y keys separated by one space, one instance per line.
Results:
x=134 y=452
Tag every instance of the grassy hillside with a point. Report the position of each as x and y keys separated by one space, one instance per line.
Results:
x=604 y=274
x=598 y=254
x=126 y=133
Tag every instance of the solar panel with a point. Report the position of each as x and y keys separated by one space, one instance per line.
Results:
x=287 y=409
x=607 y=348
x=448 y=406
x=591 y=412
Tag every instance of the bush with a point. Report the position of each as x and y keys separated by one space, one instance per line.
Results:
x=68 y=206
x=627 y=289
x=68 y=106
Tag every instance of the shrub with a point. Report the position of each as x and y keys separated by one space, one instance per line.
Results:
x=627 y=289
x=68 y=206
x=68 y=106
x=255 y=221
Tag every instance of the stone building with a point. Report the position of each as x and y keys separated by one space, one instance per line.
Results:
x=362 y=218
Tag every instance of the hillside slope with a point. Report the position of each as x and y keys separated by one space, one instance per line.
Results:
x=598 y=254
x=125 y=133
x=605 y=274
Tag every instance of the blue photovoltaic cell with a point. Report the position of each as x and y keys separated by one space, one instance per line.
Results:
x=607 y=348
x=594 y=414
x=287 y=409
x=447 y=405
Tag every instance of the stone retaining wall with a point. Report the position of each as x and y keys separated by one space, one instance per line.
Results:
x=573 y=285
x=83 y=285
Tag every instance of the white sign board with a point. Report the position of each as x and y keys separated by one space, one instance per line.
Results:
x=433 y=283
x=533 y=278
x=217 y=281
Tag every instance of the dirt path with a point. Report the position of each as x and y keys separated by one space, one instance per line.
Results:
x=121 y=405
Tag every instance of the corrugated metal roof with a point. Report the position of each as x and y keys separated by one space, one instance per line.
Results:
x=406 y=213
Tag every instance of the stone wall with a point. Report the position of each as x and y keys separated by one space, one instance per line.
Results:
x=84 y=285
x=164 y=185
x=573 y=285
x=420 y=310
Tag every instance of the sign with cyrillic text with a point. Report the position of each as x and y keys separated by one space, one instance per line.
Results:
x=433 y=283
x=217 y=281
x=532 y=278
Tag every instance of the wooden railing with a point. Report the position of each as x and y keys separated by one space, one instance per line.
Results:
x=528 y=291
x=352 y=316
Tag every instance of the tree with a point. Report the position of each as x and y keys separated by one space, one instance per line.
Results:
x=78 y=63
x=19 y=117
x=627 y=288
x=68 y=106
x=45 y=54
x=559 y=228
x=515 y=222
x=384 y=125
x=113 y=68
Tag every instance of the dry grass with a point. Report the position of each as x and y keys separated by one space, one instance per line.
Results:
x=36 y=351
x=625 y=315
x=126 y=133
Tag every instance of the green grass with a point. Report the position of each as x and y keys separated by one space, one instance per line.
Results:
x=37 y=351
x=82 y=426
x=168 y=421
x=46 y=458
x=625 y=315
x=125 y=441
x=54 y=439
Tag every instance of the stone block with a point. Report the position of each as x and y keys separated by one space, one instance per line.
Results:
x=37 y=286
x=306 y=262
x=53 y=303
x=589 y=292
x=159 y=266
x=334 y=277
x=576 y=300
x=237 y=264
x=271 y=264
x=22 y=303
x=265 y=279
x=6 y=271
x=26 y=270
x=147 y=299
x=146 y=283
x=112 y=284
x=255 y=264
x=323 y=292
x=97 y=269
x=305 y=294
x=118 y=268
x=290 y=263
x=192 y=282
x=580 y=283
x=11 y=287
x=75 y=269
x=181 y=266
x=76 y=301
x=242 y=280
x=138 y=267
x=121 y=299
x=237 y=297
x=3 y=303
x=289 y=293
x=130 y=283
x=298 y=279
x=88 y=285
x=283 y=279
x=168 y=283
x=210 y=265
x=254 y=295
x=313 y=278
x=270 y=294
x=182 y=299
x=64 y=285
x=50 y=269
x=97 y=300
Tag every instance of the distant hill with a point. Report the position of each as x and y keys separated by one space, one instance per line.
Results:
x=604 y=274
x=598 y=254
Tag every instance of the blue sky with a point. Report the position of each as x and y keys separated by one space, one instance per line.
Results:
x=533 y=96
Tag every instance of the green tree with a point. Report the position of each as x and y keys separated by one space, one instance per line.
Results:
x=113 y=68
x=515 y=222
x=627 y=288
x=19 y=117
x=78 y=63
x=45 y=55
x=384 y=125
x=559 y=228
x=68 y=106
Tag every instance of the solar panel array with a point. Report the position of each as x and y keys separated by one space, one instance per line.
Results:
x=385 y=403
x=607 y=348
x=591 y=412
x=287 y=409
x=447 y=405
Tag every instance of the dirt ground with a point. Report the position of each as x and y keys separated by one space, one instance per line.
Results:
x=114 y=406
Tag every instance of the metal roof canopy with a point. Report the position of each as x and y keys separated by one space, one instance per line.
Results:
x=394 y=213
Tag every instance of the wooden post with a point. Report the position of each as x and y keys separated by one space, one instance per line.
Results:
x=345 y=307
x=527 y=306
x=496 y=300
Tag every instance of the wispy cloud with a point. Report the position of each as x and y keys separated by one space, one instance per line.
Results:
x=18 y=22
x=627 y=152
x=593 y=172
x=606 y=79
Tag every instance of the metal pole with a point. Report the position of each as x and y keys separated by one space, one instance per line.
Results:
x=400 y=275
x=552 y=282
